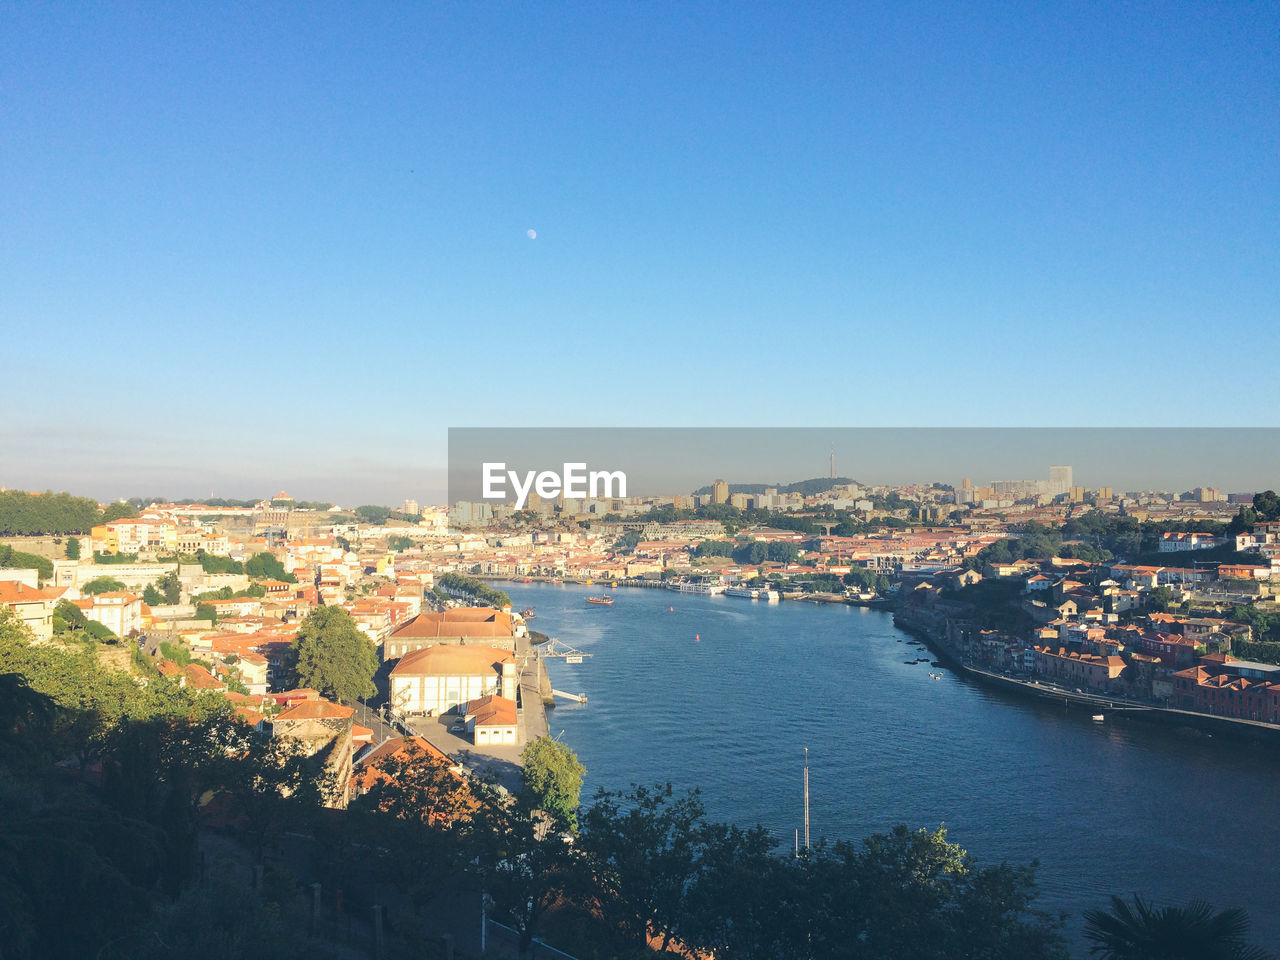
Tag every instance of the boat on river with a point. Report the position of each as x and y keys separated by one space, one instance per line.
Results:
x=604 y=601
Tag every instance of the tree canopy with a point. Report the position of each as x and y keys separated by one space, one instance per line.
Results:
x=333 y=656
x=11 y=559
x=25 y=514
x=1196 y=931
x=264 y=566
x=553 y=777
x=102 y=585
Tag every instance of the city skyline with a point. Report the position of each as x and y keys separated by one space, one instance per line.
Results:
x=680 y=460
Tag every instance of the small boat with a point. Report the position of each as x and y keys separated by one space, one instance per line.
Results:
x=601 y=600
x=527 y=614
x=1098 y=718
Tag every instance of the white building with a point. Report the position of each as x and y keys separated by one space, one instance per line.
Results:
x=437 y=679
x=492 y=721
x=117 y=610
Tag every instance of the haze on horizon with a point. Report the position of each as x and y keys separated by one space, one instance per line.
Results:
x=679 y=460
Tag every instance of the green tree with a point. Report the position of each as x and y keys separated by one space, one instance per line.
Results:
x=525 y=862
x=120 y=510
x=714 y=548
x=206 y=612
x=370 y=513
x=333 y=656
x=746 y=902
x=913 y=895
x=22 y=514
x=211 y=563
x=101 y=632
x=73 y=548
x=170 y=588
x=1193 y=932
x=553 y=778
x=1160 y=599
x=645 y=849
x=101 y=585
x=264 y=566
x=71 y=615
x=399 y=543
x=11 y=559
x=1267 y=505
x=151 y=596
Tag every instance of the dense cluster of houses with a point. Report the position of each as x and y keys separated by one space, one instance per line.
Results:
x=1093 y=629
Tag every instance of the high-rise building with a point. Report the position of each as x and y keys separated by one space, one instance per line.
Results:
x=720 y=492
x=410 y=507
x=1105 y=493
x=1077 y=493
x=1060 y=480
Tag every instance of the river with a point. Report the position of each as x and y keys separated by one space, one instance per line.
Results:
x=724 y=694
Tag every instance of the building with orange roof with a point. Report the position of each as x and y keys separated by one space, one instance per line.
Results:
x=118 y=610
x=435 y=802
x=458 y=626
x=32 y=605
x=1082 y=669
x=434 y=680
x=1206 y=690
x=197 y=677
x=491 y=720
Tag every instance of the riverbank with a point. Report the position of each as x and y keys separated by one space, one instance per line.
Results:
x=1099 y=703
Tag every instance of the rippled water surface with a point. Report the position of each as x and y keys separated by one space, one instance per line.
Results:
x=724 y=694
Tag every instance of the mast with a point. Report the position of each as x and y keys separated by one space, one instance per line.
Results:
x=806 y=799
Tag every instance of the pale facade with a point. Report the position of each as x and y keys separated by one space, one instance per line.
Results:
x=119 y=611
x=436 y=680
x=33 y=606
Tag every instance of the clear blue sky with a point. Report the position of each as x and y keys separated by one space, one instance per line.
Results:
x=290 y=242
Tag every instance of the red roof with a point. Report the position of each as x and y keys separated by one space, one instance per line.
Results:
x=452 y=661
x=15 y=591
x=458 y=622
x=315 y=710
x=492 y=711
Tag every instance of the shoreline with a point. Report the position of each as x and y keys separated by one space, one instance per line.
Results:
x=1172 y=719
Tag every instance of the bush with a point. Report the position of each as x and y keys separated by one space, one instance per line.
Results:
x=11 y=559
x=99 y=632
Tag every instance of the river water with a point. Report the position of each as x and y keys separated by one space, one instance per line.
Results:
x=724 y=694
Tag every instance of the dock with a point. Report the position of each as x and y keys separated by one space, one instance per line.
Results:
x=570 y=696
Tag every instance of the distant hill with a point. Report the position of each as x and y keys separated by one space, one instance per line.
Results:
x=806 y=488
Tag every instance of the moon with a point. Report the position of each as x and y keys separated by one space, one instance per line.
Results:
x=531 y=234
